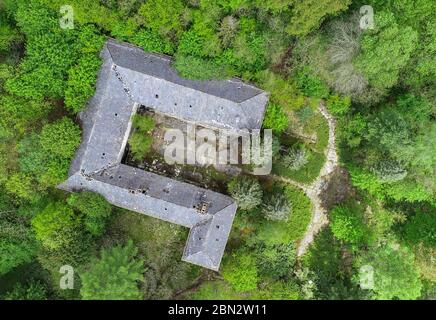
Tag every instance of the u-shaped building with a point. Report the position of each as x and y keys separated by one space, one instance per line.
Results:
x=130 y=77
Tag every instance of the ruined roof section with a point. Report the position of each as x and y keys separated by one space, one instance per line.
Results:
x=152 y=82
x=159 y=66
x=129 y=77
x=169 y=200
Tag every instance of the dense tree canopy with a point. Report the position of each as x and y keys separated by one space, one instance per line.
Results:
x=377 y=83
x=115 y=276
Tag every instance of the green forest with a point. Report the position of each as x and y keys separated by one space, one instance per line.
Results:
x=378 y=82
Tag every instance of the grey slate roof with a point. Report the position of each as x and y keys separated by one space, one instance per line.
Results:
x=130 y=77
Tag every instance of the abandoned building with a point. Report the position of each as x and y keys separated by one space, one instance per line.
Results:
x=129 y=78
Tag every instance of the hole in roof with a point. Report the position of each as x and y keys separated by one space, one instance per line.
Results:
x=166 y=209
x=119 y=177
x=200 y=238
x=111 y=177
x=190 y=106
x=104 y=153
x=217 y=227
x=175 y=103
x=157 y=96
x=116 y=114
x=217 y=239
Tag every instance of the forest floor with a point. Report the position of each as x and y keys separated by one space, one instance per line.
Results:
x=315 y=189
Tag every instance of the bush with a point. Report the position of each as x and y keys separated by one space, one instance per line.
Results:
x=395 y=273
x=81 y=82
x=199 y=69
x=216 y=290
x=61 y=138
x=306 y=174
x=275 y=118
x=241 y=272
x=33 y=291
x=277 y=208
x=140 y=141
x=421 y=229
x=55 y=226
x=277 y=261
x=152 y=42
x=338 y=105
x=389 y=171
x=143 y=123
x=301 y=212
x=347 y=224
x=163 y=17
x=311 y=85
x=296 y=159
x=95 y=208
x=246 y=191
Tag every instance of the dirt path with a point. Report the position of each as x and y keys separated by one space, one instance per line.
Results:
x=314 y=190
x=319 y=217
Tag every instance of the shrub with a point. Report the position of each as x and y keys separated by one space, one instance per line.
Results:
x=33 y=291
x=140 y=141
x=347 y=224
x=277 y=208
x=55 y=225
x=275 y=118
x=421 y=229
x=395 y=273
x=227 y=30
x=95 y=208
x=199 y=69
x=338 y=105
x=215 y=290
x=241 y=272
x=152 y=42
x=389 y=171
x=81 y=82
x=61 y=138
x=283 y=232
x=163 y=17
x=296 y=159
x=246 y=191
x=311 y=85
x=277 y=261
x=143 y=123
x=22 y=185
x=279 y=290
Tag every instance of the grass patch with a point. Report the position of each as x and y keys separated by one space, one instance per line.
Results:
x=277 y=232
x=307 y=174
x=318 y=124
x=215 y=290
x=141 y=140
x=314 y=124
